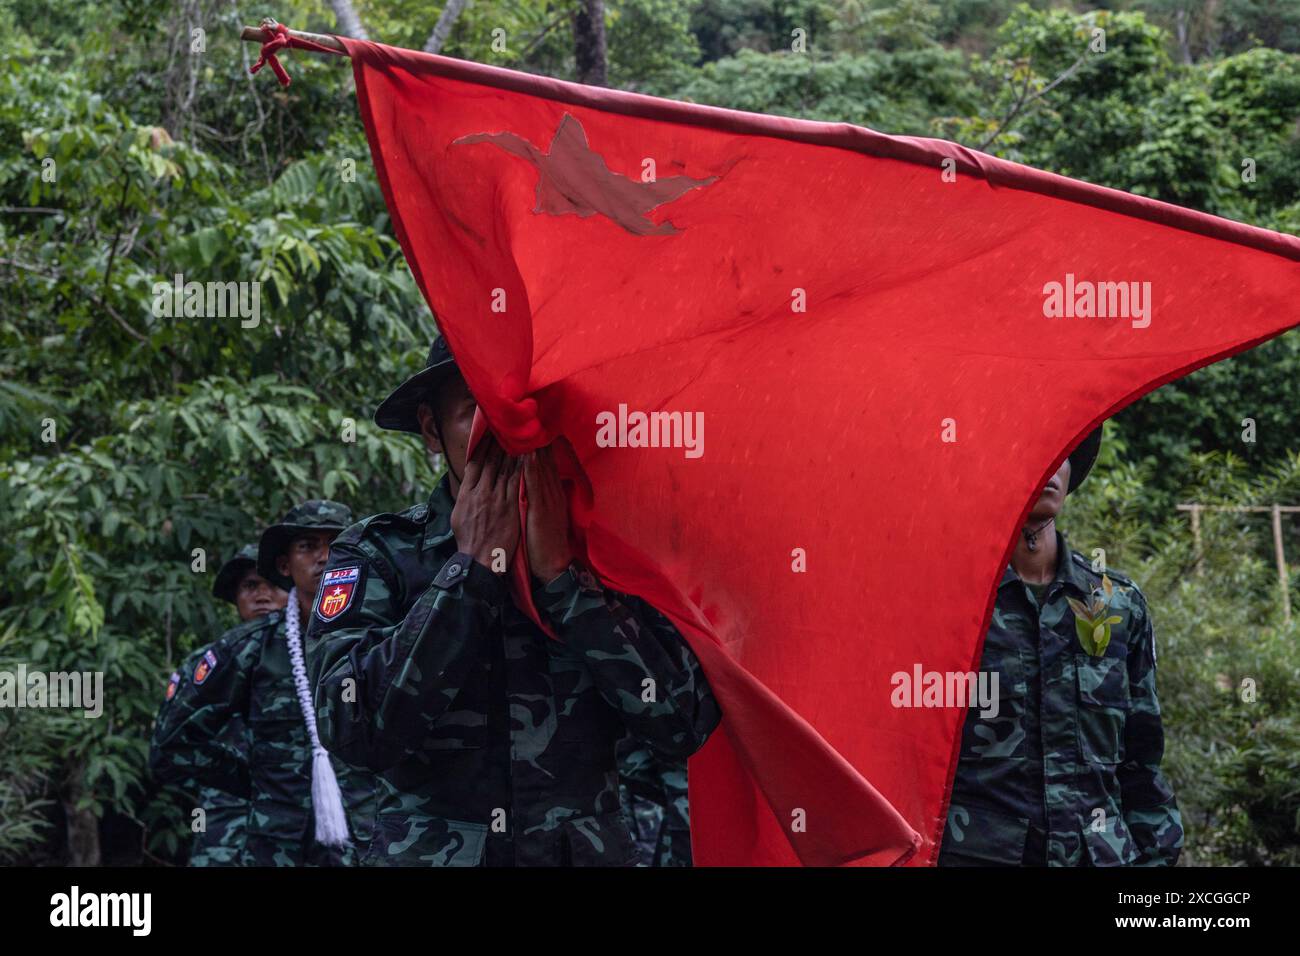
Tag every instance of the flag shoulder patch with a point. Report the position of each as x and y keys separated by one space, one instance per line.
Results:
x=207 y=664
x=337 y=589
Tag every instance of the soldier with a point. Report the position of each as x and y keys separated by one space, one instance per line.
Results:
x=239 y=583
x=221 y=840
x=494 y=743
x=1068 y=771
x=254 y=678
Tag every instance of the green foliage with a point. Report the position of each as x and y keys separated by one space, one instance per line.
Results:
x=174 y=438
x=1210 y=407
x=1102 y=101
x=887 y=24
x=894 y=92
x=1245 y=23
x=648 y=39
x=725 y=27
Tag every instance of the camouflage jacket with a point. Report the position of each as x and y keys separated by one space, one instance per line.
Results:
x=494 y=744
x=244 y=681
x=653 y=793
x=1071 y=761
x=220 y=841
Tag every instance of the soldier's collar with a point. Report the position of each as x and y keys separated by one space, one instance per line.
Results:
x=1072 y=571
x=437 y=528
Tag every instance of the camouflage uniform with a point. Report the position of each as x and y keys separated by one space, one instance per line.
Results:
x=494 y=744
x=250 y=688
x=1068 y=772
x=653 y=794
x=225 y=821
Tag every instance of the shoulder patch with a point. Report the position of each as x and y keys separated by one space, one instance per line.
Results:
x=173 y=684
x=337 y=589
x=205 y=667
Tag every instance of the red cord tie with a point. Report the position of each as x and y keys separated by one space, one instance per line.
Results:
x=278 y=41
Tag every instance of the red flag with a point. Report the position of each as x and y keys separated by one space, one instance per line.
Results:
x=839 y=330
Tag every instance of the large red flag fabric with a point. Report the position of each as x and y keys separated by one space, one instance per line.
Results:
x=792 y=362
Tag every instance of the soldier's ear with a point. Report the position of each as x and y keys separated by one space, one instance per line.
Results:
x=429 y=429
x=282 y=565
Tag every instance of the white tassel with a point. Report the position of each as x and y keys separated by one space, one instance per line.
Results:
x=331 y=823
x=326 y=798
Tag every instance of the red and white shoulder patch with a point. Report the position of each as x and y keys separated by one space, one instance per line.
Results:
x=173 y=684
x=337 y=588
x=206 y=666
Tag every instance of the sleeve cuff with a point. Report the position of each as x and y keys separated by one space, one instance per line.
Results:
x=478 y=581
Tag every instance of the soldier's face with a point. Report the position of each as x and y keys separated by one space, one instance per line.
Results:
x=445 y=426
x=305 y=559
x=1052 y=500
x=256 y=596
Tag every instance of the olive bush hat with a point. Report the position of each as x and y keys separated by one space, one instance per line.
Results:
x=309 y=516
x=398 y=412
x=233 y=571
x=1083 y=458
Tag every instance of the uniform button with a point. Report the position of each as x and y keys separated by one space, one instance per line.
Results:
x=453 y=570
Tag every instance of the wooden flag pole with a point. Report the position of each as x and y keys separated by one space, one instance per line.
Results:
x=262 y=33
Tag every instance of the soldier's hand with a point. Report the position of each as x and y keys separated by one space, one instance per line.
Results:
x=548 y=517
x=486 y=515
